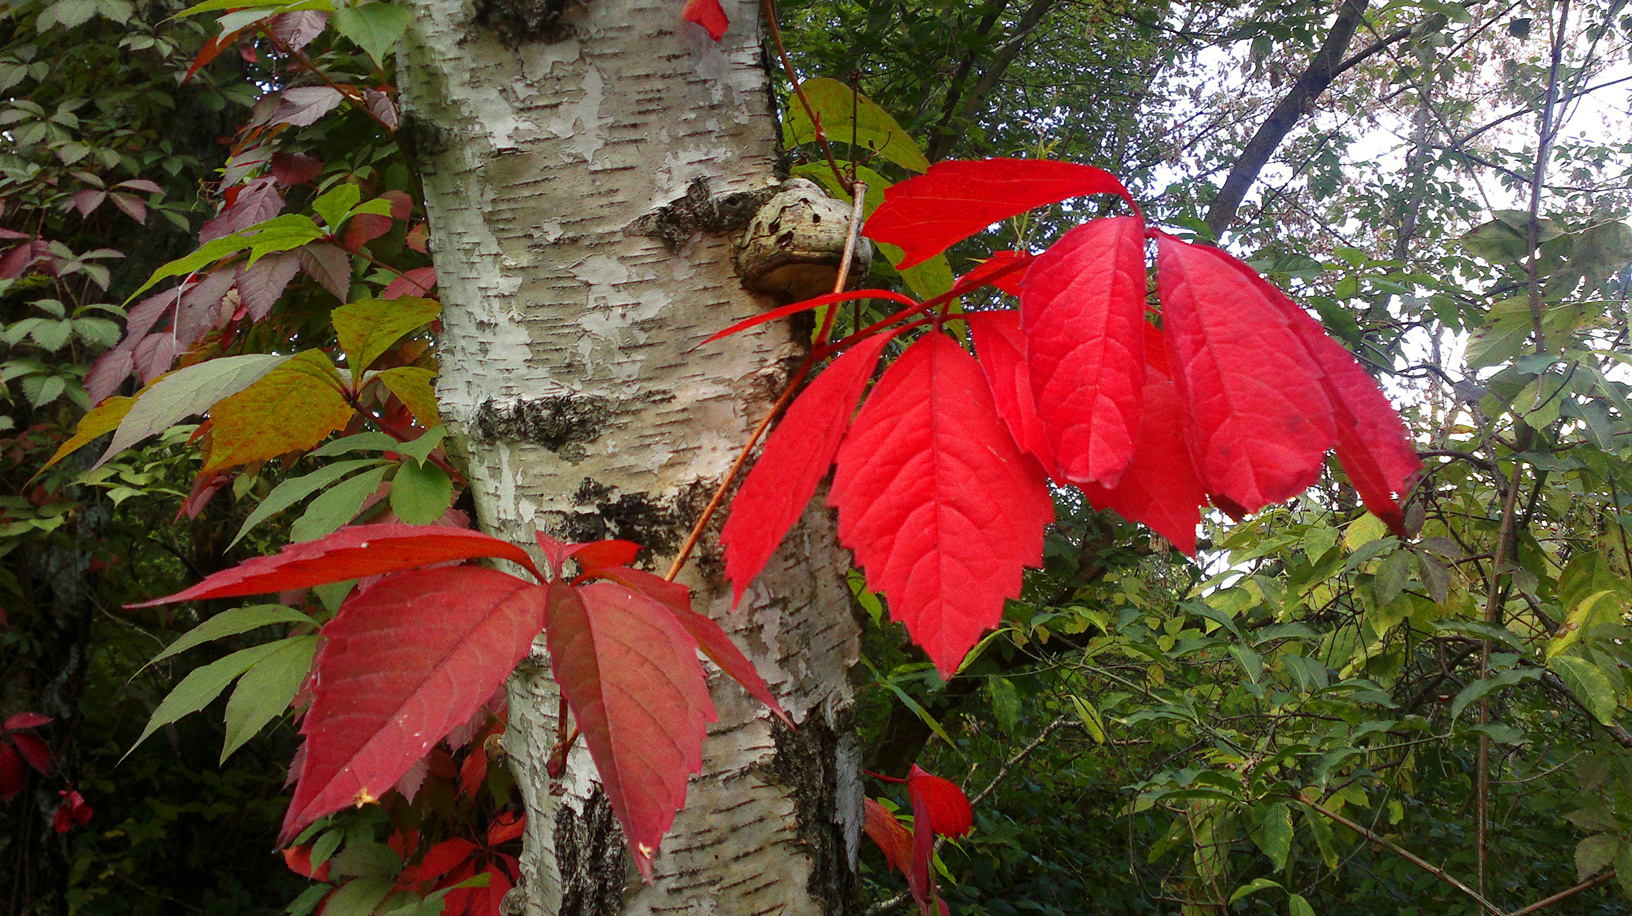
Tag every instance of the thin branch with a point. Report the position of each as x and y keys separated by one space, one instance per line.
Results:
x=799 y=90
x=1586 y=885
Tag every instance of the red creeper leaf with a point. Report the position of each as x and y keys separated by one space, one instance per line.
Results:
x=72 y=812
x=351 y=553
x=404 y=662
x=1083 y=310
x=1002 y=350
x=36 y=753
x=1160 y=488
x=1256 y=415
x=892 y=838
x=796 y=457
x=13 y=775
x=25 y=720
x=808 y=304
x=631 y=677
x=936 y=501
x=947 y=806
x=926 y=214
x=709 y=15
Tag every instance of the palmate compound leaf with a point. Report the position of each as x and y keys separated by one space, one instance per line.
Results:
x=1160 y=488
x=926 y=214
x=631 y=677
x=1257 y=419
x=1002 y=349
x=939 y=506
x=1082 y=307
x=795 y=459
x=403 y=663
x=350 y=553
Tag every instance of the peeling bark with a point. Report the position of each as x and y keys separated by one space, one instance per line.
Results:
x=568 y=378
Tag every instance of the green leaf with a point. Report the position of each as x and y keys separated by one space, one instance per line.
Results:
x=337 y=506
x=366 y=860
x=1600 y=607
x=336 y=203
x=1322 y=832
x=374 y=27
x=358 y=897
x=1363 y=531
x=369 y=327
x=1623 y=868
x=1595 y=852
x=1485 y=686
x=420 y=493
x=1256 y=885
x=185 y=392
x=361 y=442
x=412 y=385
x=1297 y=906
x=295 y=489
x=846 y=115
x=421 y=446
x=266 y=689
x=103 y=419
x=231 y=623
x=308 y=900
x=1005 y=702
x=1274 y=835
x=280 y=233
x=201 y=686
x=1392 y=575
x=927 y=279
x=1090 y=719
x=209 y=6
x=1588 y=683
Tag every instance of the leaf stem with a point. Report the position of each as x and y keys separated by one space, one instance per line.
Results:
x=798 y=90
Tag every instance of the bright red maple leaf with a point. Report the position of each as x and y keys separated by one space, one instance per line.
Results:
x=939 y=506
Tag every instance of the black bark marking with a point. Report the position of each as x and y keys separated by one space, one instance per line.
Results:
x=700 y=211
x=658 y=524
x=806 y=761
x=562 y=424
x=589 y=848
x=517 y=22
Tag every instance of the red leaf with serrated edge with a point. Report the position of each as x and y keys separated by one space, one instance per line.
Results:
x=947 y=806
x=591 y=556
x=709 y=15
x=1257 y=419
x=443 y=858
x=351 y=553
x=890 y=835
x=13 y=774
x=417 y=282
x=1373 y=444
x=936 y=501
x=299 y=860
x=928 y=213
x=473 y=772
x=711 y=640
x=25 y=720
x=211 y=50
x=631 y=677
x=35 y=752
x=1083 y=311
x=796 y=457
x=1002 y=350
x=1004 y=270
x=506 y=827
x=402 y=664
x=1160 y=488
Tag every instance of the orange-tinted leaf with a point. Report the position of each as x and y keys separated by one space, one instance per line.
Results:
x=1257 y=419
x=938 y=504
x=351 y=553
x=1160 y=488
x=403 y=663
x=292 y=408
x=947 y=806
x=104 y=418
x=443 y=858
x=1083 y=311
x=928 y=213
x=890 y=835
x=631 y=677
x=796 y=457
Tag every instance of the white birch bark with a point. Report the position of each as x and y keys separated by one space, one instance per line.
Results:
x=568 y=376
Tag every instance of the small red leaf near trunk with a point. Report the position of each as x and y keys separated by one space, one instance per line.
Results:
x=36 y=753
x=1160 y=488
x=1002 y=350
x=72 y=812
x=937 y=502
x=890 y=835
x=1257 y=418
x=13 y=774
x=709 y=15
x=926 y=214
x=630 y=674
x=402 y=664
x=947 y=806
x=351 y=553
x=1083 y=311
x=796 y=457
x=25 y=720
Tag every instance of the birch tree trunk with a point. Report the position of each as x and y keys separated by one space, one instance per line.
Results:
x=548 y=138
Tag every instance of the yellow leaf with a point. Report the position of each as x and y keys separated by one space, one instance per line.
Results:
x=1363 y=531
x=293 y=408
x=102 y=419
x=412 y=385
x=369 y=327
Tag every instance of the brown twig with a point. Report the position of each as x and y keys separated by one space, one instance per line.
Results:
x=799 y=90
x=1586 y=885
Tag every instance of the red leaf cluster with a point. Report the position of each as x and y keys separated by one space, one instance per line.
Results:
x=414 y=654
x=939 y=808
x=71 y=811
x=18 y=751
x=1227 y=393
